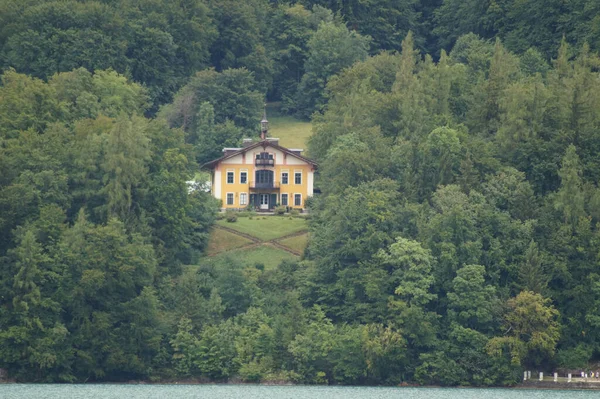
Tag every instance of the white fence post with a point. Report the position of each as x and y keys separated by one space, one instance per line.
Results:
x=569 y=379
x=541 y=376
x=555 y=377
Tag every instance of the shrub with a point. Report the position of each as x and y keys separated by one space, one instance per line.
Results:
x=231 y=217
x=280 y=210
x=295 y=212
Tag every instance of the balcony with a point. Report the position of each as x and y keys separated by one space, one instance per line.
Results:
x=264 y=185
x=264 y=162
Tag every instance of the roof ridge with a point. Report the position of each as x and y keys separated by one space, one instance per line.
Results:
x=263 y=143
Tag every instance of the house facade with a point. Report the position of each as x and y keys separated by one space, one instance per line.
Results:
x=262 y=175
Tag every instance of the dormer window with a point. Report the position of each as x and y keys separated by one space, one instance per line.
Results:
x=264 y=159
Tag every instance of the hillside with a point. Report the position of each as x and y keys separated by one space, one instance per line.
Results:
x=454 y=241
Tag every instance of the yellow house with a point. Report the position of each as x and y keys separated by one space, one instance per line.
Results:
x=262 y=175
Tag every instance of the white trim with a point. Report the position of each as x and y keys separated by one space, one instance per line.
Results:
x=227 y=172
x=310 y=183
x=281 y=176
x=301 y=177
x=294 y=199
x=245 y=202
x=227 y=198
x=217 y=187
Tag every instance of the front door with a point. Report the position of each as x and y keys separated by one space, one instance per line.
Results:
x=264 y=201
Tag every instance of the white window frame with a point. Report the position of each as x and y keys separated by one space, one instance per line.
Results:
x=245 y=202
x=287 y=171
x=287 y=199
x=227 y=199
x=295 y=199
x=246 y=172
x=227 y=172
x=301 y=177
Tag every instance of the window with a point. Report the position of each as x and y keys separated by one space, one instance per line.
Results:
x=243 y=177
x=284 y=199
x=243 y=199
x=230 y=177
x=298 y=178
x=229 y=198
x=297 y=199
x=284 y=177
x=263 y=179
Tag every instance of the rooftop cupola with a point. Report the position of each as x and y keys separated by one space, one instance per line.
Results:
x=264 y=125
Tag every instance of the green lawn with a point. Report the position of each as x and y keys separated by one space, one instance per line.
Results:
x=265 y=254
x=267 y=227
x=296 y=243
x=221 y=240
x=292 y=132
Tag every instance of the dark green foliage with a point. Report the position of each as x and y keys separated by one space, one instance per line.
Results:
x=95 y=208
x=454 y=242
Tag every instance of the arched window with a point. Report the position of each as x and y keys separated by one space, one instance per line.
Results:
x=264 y=177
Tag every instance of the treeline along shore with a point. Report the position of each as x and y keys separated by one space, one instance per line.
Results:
x=453 y=240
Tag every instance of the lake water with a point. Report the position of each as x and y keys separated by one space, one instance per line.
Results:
x=115 y=391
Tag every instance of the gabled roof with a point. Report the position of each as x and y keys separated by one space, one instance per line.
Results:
x=264 y=144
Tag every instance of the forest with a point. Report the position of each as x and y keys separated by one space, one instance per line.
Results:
x=455 y=240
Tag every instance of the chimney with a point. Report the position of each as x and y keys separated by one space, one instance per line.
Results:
x=247 y=142
x=264 y=125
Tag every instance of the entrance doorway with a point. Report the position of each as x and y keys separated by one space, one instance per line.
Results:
x=264 y=201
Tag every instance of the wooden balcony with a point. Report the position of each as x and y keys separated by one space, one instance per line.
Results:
x=264 y=162
x=264 y=185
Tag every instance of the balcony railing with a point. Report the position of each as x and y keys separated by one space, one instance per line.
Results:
x=264 y=162
x=263 y=185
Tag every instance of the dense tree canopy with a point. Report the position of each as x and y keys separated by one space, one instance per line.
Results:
x=454 y=240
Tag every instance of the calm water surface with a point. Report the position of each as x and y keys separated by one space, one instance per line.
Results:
x=109 y=391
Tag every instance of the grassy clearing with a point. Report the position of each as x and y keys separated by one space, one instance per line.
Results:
x=267 y=228
x=292 y=132
x=265 y=254
x=221 y=240
x=297 y=243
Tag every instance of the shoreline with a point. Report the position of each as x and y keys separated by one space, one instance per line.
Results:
x=528 y=385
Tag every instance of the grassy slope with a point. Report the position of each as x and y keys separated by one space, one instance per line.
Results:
x=267 y=227
x=297 y=243
x=221 y=240
x=292 y=132
x=265 y=254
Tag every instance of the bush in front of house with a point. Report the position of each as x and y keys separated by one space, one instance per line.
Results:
x=280 y=210
x=231 y=217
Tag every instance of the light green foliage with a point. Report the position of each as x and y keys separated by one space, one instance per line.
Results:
x=411 y=269
x=532 y=330
x=126 y=152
